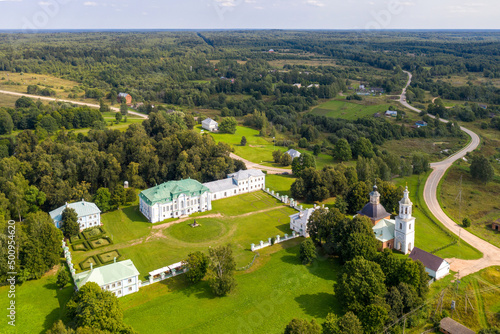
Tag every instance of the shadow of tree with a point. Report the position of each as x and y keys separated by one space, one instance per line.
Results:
x=132 y=213
x=63 y=296
x=200 y=290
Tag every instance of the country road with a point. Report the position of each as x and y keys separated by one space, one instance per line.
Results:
x=491 y=254
x=270 y=170
x=46 y=98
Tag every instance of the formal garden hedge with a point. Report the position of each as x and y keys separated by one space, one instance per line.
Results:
x=85 y=264
x=94 y=232
x=80 y=246
x=109 y=257
x=100 y=242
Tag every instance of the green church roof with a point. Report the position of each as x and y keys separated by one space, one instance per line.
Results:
x=168 y=191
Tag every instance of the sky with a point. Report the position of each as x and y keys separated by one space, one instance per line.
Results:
x=249 y=14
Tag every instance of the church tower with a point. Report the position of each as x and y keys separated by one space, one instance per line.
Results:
x=404 y=231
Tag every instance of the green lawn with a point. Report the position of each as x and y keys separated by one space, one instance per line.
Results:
x=265 y=300
x=280 y=183
x=430 y=234
x=38 y=304
x=240 y=220
x=349 y=109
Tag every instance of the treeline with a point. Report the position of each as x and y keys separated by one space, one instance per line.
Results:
x=48 y=118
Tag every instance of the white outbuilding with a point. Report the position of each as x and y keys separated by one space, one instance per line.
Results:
x=210 y=125
x=435 y=266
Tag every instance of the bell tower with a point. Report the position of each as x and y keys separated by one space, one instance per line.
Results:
x=404 y=231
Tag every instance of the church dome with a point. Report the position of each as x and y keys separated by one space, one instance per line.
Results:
x=374 y=211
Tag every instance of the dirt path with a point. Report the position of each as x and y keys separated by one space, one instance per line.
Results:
x=180 y=220
x=491 y=254
x=253 y=165
x=92 y=105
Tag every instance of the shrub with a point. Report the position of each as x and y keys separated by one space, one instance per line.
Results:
x=466 y=222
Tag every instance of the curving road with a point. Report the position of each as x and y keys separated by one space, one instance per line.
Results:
x=491 y=254
x=46 y=98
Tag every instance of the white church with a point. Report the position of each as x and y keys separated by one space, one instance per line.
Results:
x=399 y=233
x=174 y=199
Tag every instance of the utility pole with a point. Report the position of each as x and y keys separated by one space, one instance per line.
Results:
x=459 y=198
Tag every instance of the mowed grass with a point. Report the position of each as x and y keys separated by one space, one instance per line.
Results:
x=42 y=80
x=349 y=109
x=430 y=234
x=8 y=101
x=240 y=221
x=39 y=304
x=480 y=202
x=264 y=301
x=280 y=183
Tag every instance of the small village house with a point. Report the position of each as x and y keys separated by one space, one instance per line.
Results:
x=124 y=97
x=435 y=266
x=293 y=153
x=449 y=326
x=210 y=125
x=496 y=225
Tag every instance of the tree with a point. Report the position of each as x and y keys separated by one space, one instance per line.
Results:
x=124 y=109
x=466 y=222
x=316 y=149
x=373 y=318
x=221 y=270
x=24 y=102
x=355 y=238
x=304 y=161
x=97 y=309
x=277 y=156
x=492 y=330
x=307 y=252
x=481 y=169
x=6 y=123
x=102 y=198
x=302 y=326
x=363 y=147
x=103 y=107
x=59 y=328
x=70 y=225
x=347 y=324
x=130 y=195
x=361 y=284
x=228 y=125
x=190 y=122
x=357 y=197
x=340 y=204
x=118 y=117
x=342 y=150
x=197 y=265
x=285 y=159
x=118 y=197
x=62 y=277
x=243 y=141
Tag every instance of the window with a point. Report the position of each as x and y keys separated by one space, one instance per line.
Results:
x=130 y=280
x=130 y=289
x=400 y=226
x=409 y=226
x=114 y=285
x=119 y=283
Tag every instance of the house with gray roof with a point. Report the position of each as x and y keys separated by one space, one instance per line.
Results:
x=88 y=214
x=174 y=199
x=293 y=153
x=120 y=278
x=243 y=181
x=435 y=266
x=210 y=125
x=299 y=220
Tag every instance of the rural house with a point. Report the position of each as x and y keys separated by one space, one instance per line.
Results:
x=435 y=266
x=293 y=153
x=299 y=220
x=120 y=278
x=449 y=326
x=124 y=97
x=210 y=125
x=88 y=214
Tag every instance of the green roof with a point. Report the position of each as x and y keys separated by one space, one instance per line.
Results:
x=384 y=230
x=107 y=274
x=168 y=191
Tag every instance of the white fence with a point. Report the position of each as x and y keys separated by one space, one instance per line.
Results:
x=284 y=199
x=278 y=239
x=67 y=255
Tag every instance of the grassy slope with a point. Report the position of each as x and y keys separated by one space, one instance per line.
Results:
x=348 y=109
x=290 y=290
x=38 y=304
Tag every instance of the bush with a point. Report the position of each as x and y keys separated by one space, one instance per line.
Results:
x=108 y=257
x=466 y=222
x=307 y=251
x=93 y=232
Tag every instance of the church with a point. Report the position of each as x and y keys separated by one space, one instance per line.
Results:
x=398 y=233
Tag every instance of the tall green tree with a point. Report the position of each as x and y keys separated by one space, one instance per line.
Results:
x=197 y=264
x=102 y=199
x=243 y=141
x=124 y=109
x=307 y=251
x=302 y=326
x=221 y=270
x=62 y=277
x=357 y=197
x=6 y=123
x=342 y=150
x=70 y=226
x=481 y=169
x=228 y=125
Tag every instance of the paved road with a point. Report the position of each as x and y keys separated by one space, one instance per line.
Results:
x=46 y=98
x=270 y=170
x=491 y=254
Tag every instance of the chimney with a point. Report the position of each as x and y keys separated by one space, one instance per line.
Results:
x=91 y=266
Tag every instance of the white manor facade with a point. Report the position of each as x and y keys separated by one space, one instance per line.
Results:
x=299 y=220
x=88 y=214
x=120 y=278
x=174 y=199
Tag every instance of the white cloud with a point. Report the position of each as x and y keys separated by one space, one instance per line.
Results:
x=226 y=3
x=90 y=3
x=315 y=3
x=469 y=7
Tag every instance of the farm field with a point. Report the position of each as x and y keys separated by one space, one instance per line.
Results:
x=239 y=220
x=431 y=146
x=8 y=101
x=349 y=109
x=272 y=292
x=39 y=303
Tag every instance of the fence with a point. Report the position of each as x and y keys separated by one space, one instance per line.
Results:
x=284 y=199
x=269 y=242
x=250 y=264
x=67 y=255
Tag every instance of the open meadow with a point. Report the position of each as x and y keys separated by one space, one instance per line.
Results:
x=351 y=110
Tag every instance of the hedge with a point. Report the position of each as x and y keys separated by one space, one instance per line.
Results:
x=84 y=265
x=100 y=256
x=90 y=242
